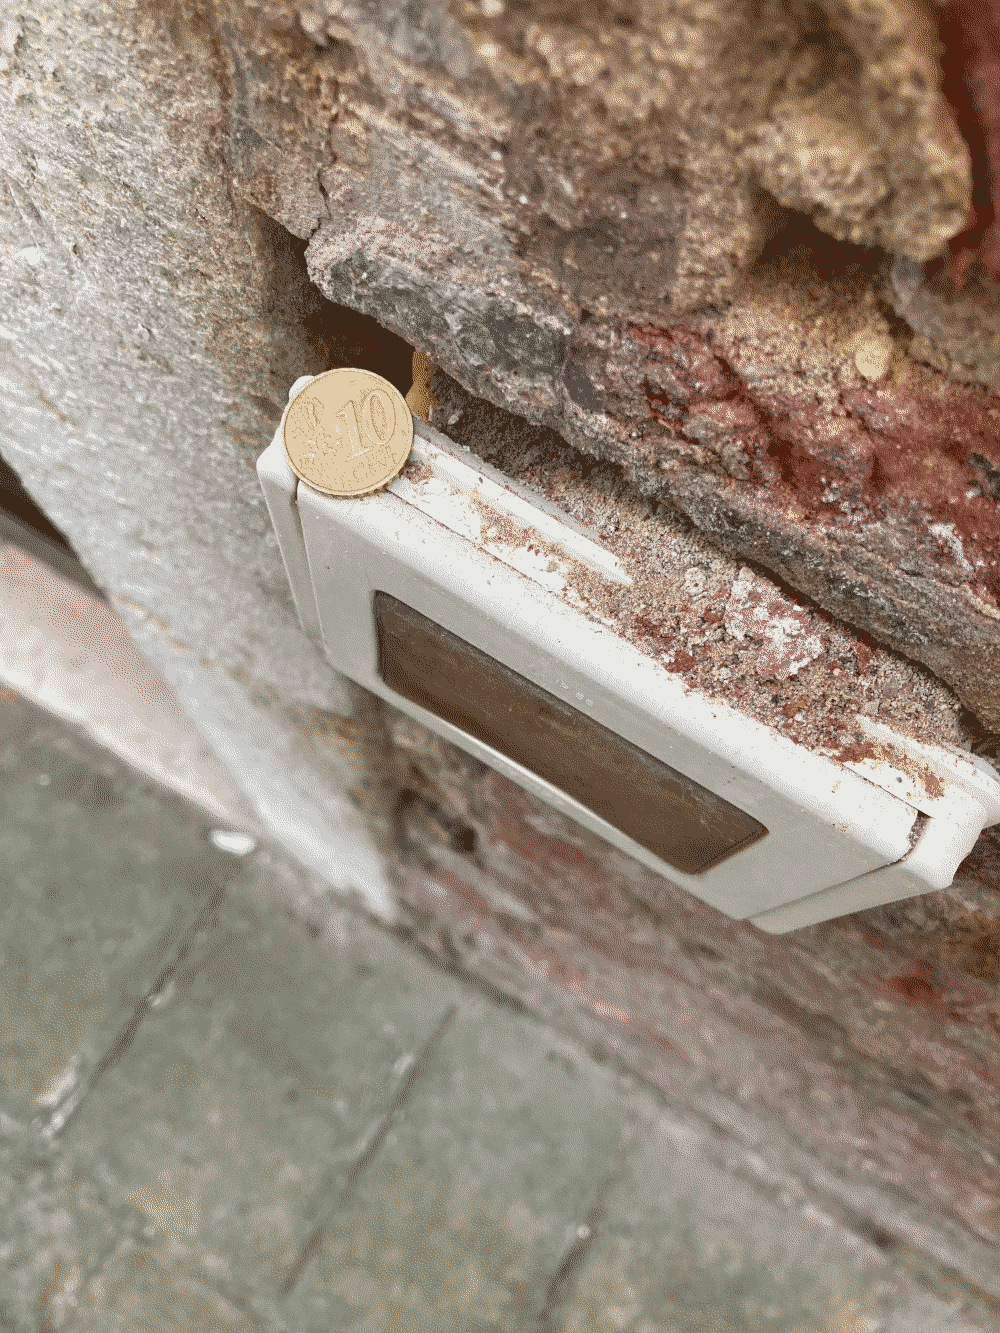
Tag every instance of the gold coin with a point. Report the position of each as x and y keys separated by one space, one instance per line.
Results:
x=348 y=432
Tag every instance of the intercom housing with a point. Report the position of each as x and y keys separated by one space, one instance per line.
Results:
x=451 y=594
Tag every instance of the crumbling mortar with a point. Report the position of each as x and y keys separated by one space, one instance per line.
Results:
x=647 y=539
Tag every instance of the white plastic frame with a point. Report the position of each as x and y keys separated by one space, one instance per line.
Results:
x=455 y=546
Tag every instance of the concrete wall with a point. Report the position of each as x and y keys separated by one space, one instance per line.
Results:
x=152 y=323
x=706 y=242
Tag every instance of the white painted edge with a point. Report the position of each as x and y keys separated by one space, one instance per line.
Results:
x=968 y=801
x=952 y=769
x=948 y=838
x=445 y=497
x=423 y=431
x=279 y=484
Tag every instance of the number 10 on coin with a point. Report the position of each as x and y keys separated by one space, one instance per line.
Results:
x=347 y=433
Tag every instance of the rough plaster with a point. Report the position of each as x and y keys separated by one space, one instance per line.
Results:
x=462 y=175
x=151 y=326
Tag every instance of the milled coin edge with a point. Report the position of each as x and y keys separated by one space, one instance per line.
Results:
x=357 y=495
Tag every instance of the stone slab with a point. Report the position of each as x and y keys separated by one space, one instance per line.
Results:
x=680 y=1245
x=56 y=1230
x=161 y=1290
x=103 y=874
x=247 y=1095
x=463 y=1218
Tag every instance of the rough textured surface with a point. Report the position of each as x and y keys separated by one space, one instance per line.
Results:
x=854 y=1061
x=310 y=1127
x=727 y=630
x=792 y=428
x=540 y=204
x=658 y=123
x=640 y=229
x=152 y=323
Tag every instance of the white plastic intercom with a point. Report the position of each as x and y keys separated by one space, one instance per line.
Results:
x=445 y=594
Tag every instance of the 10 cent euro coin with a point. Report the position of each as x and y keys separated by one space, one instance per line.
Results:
x=347 y=432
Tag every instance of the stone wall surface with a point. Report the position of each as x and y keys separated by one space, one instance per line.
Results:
x=626 y=183
x=152 y=322
x=705 y=242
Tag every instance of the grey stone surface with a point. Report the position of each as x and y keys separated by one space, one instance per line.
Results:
x=678 y=1244
x=86 y=928
x=160 y=1290
x=634 y=144
x=56 y=1232
x=152 y=324
x=312 y=1127
x=246 y=1098
x=462 y=1220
